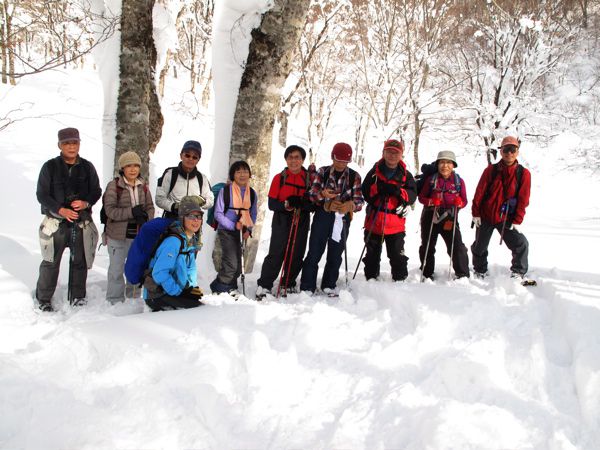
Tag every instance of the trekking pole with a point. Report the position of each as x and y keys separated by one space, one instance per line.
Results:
x=289 y=253
x=503 y=212
x=243 y=248
x=345 y=254
x=452 y=246
x=71 y=261
x=428 y=242
x=368 y=237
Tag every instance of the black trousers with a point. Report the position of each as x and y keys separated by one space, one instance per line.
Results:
x=167 y=302
x=394 y=245
x=46 y=284
x=280 y=235
x=514 y=240
x=460 y=257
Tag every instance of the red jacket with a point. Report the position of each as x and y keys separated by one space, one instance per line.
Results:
x=386 y=221
x=295 y=184
x=499 y=189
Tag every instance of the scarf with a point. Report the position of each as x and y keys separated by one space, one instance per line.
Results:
x=242 y=204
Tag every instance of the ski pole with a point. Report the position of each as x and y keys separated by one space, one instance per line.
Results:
x=71 y=261
x=503 y=212
x=289 y=253
x=345 y=238
x=428 y=242
x=367 y=238
x=452 y=246
x=242 y=248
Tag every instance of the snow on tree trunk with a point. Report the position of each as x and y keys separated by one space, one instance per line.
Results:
x=267 y=67
x=139 y=119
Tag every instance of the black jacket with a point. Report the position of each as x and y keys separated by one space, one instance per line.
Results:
x=58 y=184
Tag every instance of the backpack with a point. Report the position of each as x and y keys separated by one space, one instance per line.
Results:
x=210 y=215
x=174 y=176
x=426 y=171
x=283 y=179
x=144 y=246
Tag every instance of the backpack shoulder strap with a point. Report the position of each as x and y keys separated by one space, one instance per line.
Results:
x=200 y=180
x=457 y=183
x=282 y=177
x=226 y=197
x=519 y=176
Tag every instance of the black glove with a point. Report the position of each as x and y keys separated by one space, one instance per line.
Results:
x=387 y=189
x=295 y=201
x=140 y=216
x=175 y=208
x=192 y=292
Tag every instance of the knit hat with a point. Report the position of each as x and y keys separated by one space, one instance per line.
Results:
x=190 y=204
x=342 y=152
x=68 y=134
x=510 y=140
x=448 y=155
x=129 y=158
x=394 y=144
x=294 y=148
x=192 y=145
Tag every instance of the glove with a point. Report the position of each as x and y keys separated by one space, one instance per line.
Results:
x=192 y=292
x=458 y=202
x=140 y=216
x=477 y=221
x=346 y=207
x=295 y=201
x=436 y=201
x=175 y=208
x=387 y=189
x=403 y=210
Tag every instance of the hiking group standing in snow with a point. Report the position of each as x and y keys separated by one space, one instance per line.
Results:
x=160 y=254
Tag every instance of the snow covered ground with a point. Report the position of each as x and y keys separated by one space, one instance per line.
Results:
x=462 y=364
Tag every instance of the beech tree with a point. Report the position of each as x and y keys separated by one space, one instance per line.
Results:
x=268 y=64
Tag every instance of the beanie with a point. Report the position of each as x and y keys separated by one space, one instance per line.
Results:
x=129 y=158
x=190 y=204
x=394 y=144
x=192 y=145
x=510 y=140
x=68 y=134
x=295 y=148
x=448 y=155
x=342 y=152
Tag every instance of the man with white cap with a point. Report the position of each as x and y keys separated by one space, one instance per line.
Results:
x=336 y=192
x=499 y=204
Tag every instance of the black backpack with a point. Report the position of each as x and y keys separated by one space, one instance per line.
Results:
x=426 y=171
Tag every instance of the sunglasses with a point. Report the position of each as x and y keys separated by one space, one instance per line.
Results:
x=193 y=216
x=193 y=156
x=509 y=149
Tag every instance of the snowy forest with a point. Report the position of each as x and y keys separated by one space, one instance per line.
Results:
x=444 y=364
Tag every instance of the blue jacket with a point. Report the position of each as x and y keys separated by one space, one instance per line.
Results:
x=173 y=270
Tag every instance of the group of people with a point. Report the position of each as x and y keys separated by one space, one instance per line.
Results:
x=68 y=187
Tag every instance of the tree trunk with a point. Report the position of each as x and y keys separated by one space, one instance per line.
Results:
x=139 y=120
x=272 y=47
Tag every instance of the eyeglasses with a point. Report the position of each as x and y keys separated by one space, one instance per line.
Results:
x=193 y=216
x=193 y=156
x=509 y=149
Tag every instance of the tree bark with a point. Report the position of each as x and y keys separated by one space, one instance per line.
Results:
x=272 y=47
x=139 y=119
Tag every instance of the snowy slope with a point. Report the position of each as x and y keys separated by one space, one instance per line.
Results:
x=445 y=365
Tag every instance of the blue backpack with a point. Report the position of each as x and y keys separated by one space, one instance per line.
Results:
x=143 y=247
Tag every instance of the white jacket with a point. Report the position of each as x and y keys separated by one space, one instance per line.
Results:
x=185 y=185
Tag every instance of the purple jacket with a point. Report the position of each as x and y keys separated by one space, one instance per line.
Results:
x=227 y=220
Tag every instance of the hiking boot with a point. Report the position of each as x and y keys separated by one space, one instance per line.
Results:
x=331 y=292
x=517 y=275
x=261 y=293
x=480 y=275
x=45 y=307
x=78 y=302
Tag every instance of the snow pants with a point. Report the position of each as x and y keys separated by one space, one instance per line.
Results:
x=231 y=261
x=514 y=240
x=460 y=256
x=280 y=236
x=117 y=288
x=394 y=245
x=168 y=302
x=320 y=238
x=48 y=276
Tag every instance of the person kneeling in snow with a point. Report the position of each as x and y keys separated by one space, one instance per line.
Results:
x=171 y=282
